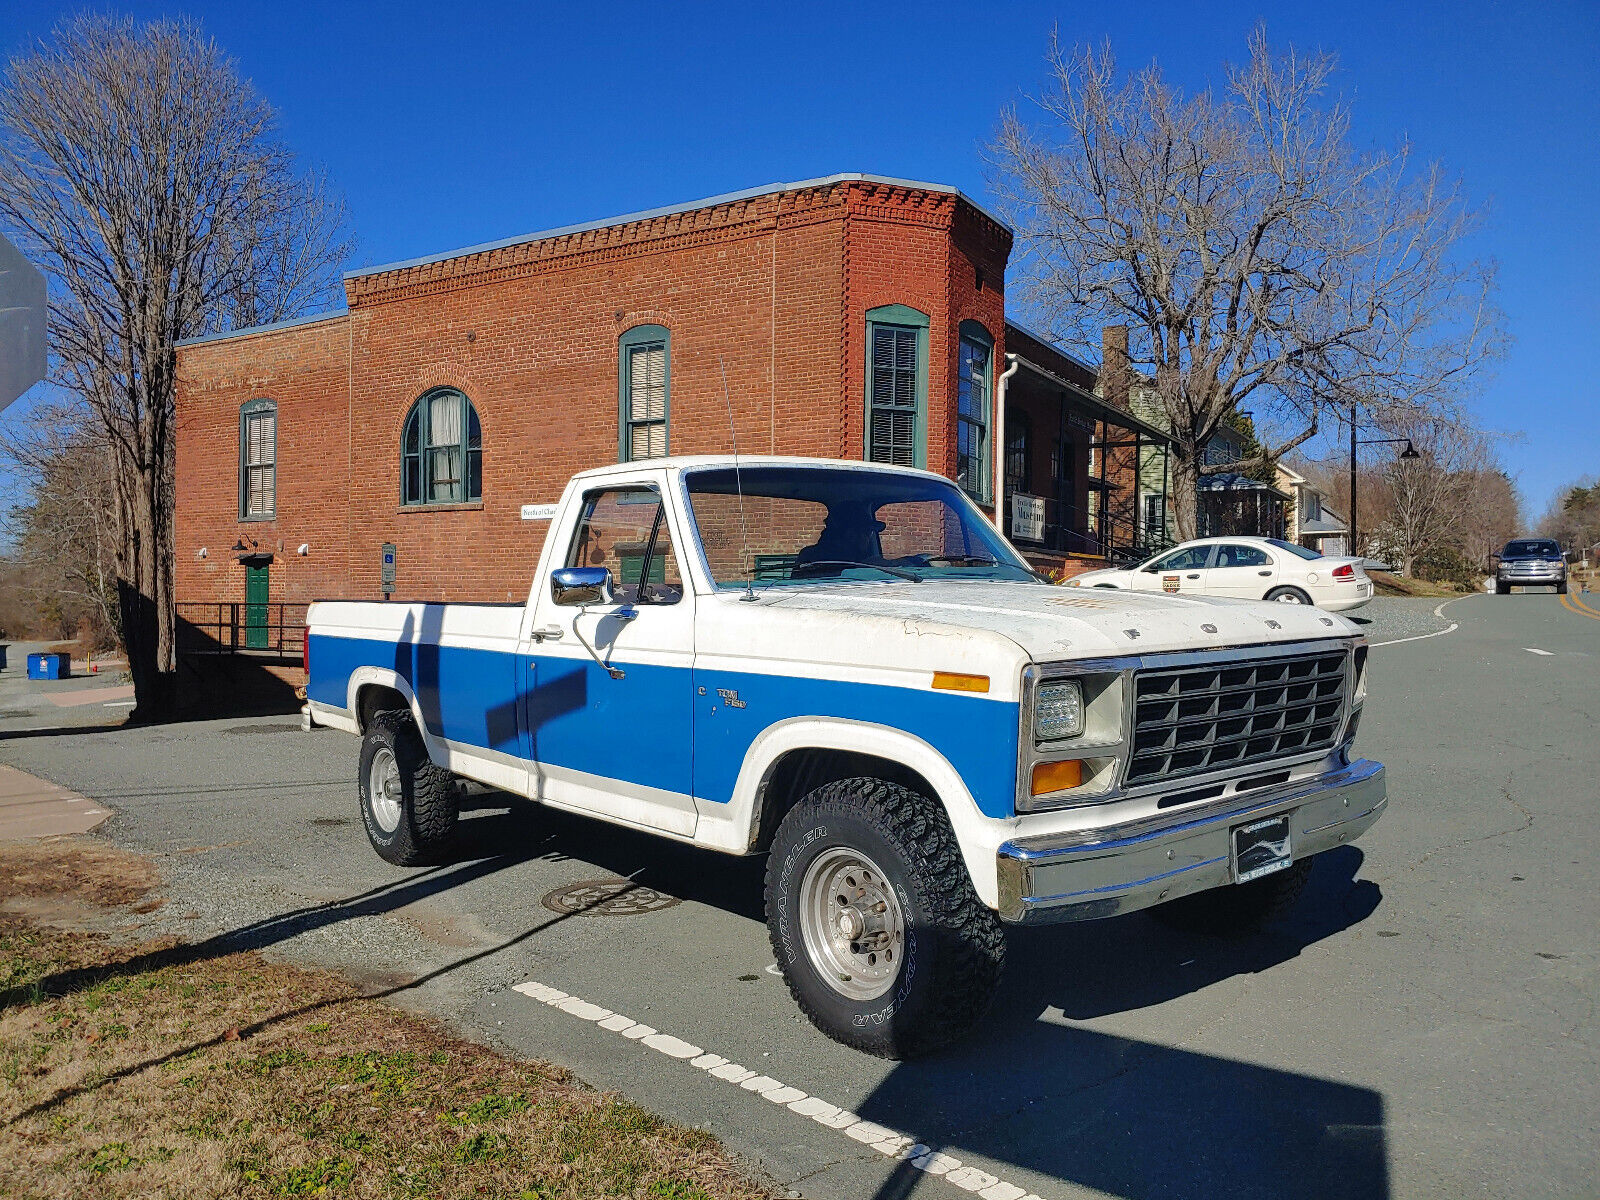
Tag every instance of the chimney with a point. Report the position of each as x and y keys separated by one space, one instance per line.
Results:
x=1114 y=367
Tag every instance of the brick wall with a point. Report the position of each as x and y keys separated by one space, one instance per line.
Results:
x=774 y=287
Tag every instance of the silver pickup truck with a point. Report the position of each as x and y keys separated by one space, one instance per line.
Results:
x=845 y=668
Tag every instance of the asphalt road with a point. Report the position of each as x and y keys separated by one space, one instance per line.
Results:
x=1424 y=1025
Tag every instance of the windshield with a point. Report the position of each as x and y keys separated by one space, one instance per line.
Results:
x=1301 y=551
x=804 y=525
x=1530 y=550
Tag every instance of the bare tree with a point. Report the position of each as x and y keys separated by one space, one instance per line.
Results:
x=64 y=538
x=1491 y=515
x=1430 y=497
x=148 y=179
x=1251 y=252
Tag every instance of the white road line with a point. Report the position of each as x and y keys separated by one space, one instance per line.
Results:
x=1438 y=611
x=1535 y=650
x=881 y=1138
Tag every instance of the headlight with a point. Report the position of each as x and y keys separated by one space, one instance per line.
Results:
x=1058 y=712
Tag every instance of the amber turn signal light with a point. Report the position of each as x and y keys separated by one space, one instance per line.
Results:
x=1057 y=776
x=951 y=681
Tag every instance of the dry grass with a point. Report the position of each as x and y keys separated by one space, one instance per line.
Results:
x=1386 y=584
x=148 y=1071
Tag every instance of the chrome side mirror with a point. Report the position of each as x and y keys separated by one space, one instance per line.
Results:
x=581 y=585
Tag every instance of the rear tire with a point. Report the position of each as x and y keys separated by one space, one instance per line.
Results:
x=1239 y=908
x=1288 y=595
x=870 y=860
x=409 y=805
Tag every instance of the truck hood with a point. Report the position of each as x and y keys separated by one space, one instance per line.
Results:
x=1050 y=622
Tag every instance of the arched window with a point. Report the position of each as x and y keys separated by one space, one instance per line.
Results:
x=972 y=411
x=441 y=451
x=258 y=460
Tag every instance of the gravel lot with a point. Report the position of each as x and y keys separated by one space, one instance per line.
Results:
x=1390 y=617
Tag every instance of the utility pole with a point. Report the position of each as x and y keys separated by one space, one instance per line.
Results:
x=1353 y=549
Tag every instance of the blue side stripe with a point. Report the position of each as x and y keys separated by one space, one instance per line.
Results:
x=653 y=728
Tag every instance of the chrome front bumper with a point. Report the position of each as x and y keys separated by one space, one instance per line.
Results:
x=1120 y=868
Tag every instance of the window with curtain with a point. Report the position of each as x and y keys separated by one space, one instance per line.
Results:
x=441 y=451
x=972 y=412
x=644 y=371
x=258 y=460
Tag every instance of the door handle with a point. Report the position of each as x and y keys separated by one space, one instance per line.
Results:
x=1264 y=573
x=1192 y=577
x=550 y=633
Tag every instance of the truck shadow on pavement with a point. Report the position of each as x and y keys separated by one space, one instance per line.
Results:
x=1139 y=1119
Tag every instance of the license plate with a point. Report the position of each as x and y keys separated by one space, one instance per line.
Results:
x=1261 y=848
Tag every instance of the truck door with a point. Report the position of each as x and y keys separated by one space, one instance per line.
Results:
x=608 y=701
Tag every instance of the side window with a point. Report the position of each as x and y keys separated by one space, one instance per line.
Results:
x=972 y=412
x=1241 y=556
x=626 y=531
x=258 y=461
x=1191 y=558
x=644 y=373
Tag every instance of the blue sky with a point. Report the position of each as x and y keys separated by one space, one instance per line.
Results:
x=452 y=124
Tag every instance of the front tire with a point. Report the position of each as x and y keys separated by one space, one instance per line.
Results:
x=1239 y=908
x=876 y=927
x=409 y=806
x=1288 y=595
x=1561 y=588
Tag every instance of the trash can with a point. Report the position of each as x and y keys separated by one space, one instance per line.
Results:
x=49 y=666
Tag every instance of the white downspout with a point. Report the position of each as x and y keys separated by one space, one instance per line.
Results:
x=1000 y=443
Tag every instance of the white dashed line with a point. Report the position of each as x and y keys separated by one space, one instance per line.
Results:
x=890 y=1142
x=1536 y=650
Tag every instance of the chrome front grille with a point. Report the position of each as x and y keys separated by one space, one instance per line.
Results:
x=1193 y=720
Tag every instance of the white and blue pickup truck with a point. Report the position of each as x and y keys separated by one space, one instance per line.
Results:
x=844 y=667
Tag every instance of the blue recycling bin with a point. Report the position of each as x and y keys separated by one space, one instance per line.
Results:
x=49 y=666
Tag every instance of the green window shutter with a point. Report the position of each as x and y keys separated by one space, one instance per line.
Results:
x=258 y=460
x=897 y=386
x=644 y=392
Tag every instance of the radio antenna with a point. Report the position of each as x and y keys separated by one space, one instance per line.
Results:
x=738 y=483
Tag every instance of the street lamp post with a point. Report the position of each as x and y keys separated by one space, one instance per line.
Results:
x=1409 y=452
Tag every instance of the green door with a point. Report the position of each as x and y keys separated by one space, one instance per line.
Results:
x=255 y=607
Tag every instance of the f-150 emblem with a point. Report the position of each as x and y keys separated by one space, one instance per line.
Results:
x=730 y=697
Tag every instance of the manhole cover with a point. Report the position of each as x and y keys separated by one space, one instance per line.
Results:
x=608 y=898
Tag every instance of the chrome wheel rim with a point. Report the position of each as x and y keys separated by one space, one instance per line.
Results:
x=852 y=924
x=1289 y=598
x=383 y=790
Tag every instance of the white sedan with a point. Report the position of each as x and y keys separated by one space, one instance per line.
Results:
x=1248 y=568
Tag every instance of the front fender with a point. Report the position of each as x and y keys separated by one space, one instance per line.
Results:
x=737 y=826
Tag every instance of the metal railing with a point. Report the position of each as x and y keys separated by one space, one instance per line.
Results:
x=241 y=628
x=1069 y=529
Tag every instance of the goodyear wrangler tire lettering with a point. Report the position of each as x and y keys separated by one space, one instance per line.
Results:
x=953 y=948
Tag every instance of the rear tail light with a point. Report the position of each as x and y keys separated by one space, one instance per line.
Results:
x=305 y=651
x=1345 y=571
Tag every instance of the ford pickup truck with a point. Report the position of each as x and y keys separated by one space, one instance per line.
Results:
x=844 y=667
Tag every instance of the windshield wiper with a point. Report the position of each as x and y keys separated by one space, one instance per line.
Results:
x=898 y=572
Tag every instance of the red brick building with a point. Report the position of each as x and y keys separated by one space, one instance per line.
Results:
x=854 y=316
